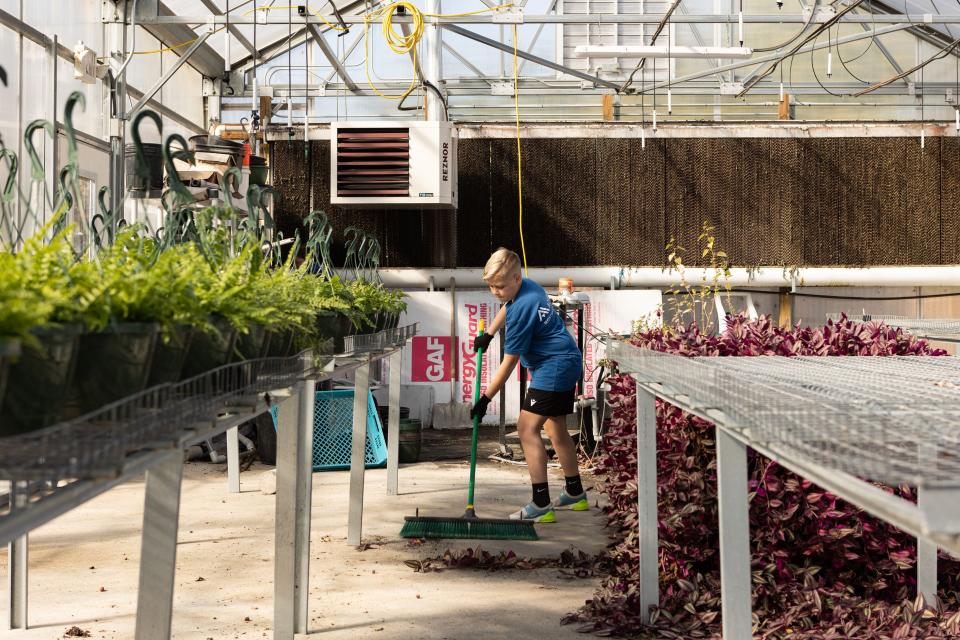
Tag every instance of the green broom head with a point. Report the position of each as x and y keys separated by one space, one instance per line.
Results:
x=470 y=528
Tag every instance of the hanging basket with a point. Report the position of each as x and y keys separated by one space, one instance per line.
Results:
x=9 y=350
x=112 y=364
x=40 y=380
x=170 y=356
x=209 y=350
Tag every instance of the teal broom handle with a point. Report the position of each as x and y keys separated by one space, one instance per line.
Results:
x=476 y=426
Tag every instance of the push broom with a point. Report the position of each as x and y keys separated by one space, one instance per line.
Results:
x=468 y=525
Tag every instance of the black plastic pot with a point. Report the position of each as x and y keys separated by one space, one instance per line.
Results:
x=137 y=184
x=9 y=350
x=40 y=380
x=170 y=355
x=334 y=326
x=112 y=364
x=253 y=344
x=210 y=350
x=259 y=175
x=281 y=344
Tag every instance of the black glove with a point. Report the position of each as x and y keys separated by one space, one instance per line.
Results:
x=480 y=409
x=482 y=342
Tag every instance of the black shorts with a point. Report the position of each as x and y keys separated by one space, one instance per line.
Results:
x=549 y=403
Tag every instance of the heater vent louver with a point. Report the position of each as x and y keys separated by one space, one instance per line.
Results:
x=373 y=162
x=396 y=165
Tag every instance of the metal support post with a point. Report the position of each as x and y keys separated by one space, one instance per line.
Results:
x=158 y=551
x=736 y=605
x=18 y=565
x=304 y=505
x=434 y=42
x=358 y=454
x=926 y=561
x=294 y=485
x=393 y=424
x=647 y=500
x=233 y=459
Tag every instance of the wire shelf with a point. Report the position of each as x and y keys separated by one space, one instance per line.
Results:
x=97 y=444
x=892 y=419
x=923 y=327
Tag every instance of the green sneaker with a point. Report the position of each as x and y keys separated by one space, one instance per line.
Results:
x=543 y=515
x=574 y=503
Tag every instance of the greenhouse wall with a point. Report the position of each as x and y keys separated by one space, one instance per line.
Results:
x=851 y=201
x=30 y=91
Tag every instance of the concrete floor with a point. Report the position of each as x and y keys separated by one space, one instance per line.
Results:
x=84 y=565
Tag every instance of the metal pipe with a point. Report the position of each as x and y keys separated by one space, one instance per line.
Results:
x=920 y=19
x=777 y=56
x=133 y=44
x=769 y=276
x=466 y=33
x=433 y=39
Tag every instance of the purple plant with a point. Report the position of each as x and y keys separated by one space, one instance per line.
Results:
x=821 y=567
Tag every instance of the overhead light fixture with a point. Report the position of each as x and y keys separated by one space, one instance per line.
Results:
x=651 y=51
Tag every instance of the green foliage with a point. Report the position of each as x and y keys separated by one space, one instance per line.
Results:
x=138 y=279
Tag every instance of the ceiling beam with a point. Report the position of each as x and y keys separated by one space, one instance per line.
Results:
x=550 y=64
x=205 y=59
x=332 y=57
x=282 y=45
x=234 y=31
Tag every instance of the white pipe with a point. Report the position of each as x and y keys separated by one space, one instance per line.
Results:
x=661 y=51
x=770 y=276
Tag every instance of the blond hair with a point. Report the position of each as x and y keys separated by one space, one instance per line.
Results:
x=501 y=261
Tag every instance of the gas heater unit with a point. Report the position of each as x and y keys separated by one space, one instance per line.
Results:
x=391 y=164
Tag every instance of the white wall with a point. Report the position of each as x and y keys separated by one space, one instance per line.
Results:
x=30 y=94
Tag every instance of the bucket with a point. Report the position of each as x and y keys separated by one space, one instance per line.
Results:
x=40 y=380
x=138 y=184
x=259 y=171
x=384 y=413
x=112 y=364
x=409 y=445
x=170 y=355
x=210 y=350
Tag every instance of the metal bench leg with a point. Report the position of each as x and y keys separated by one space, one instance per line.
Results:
x=292 y=546
x=735 y=593
x=233 y=460
x=647 y=500
x=304 y=506
x=926 y=561
x=358 y=454
x=158 y=552
x=17 y=556
x=393 y=424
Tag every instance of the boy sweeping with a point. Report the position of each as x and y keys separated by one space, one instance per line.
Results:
x=537 y=337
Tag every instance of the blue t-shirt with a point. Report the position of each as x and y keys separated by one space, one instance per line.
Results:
x=536 y=333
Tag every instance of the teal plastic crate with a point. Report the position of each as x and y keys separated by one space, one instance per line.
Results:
x=333 y=431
